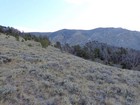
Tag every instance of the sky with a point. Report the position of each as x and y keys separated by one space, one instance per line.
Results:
x=53 y=15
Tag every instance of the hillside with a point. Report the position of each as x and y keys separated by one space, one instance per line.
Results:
x=100 y=52
x=118 y=37
x=32 y=75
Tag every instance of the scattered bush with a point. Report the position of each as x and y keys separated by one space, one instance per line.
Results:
x=27 y=36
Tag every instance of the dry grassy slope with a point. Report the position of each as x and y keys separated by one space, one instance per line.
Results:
x=31 y=75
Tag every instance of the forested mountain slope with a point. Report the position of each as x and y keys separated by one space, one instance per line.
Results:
x=118 y=37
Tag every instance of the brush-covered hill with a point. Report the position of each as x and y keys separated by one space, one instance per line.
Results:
x=118 y=37
x=32 y=75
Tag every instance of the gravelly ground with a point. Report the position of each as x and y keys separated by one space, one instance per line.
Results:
x=31 y=75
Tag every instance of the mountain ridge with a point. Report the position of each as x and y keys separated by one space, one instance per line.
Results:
x=118 y=37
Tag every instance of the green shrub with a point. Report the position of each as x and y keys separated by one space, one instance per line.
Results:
x=58 y=45
x=17 y=38
x=97 y=53
x=44 y=43
x=22 y=40
x=30 y=45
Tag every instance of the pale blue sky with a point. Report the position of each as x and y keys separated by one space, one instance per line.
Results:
x=52 y=15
